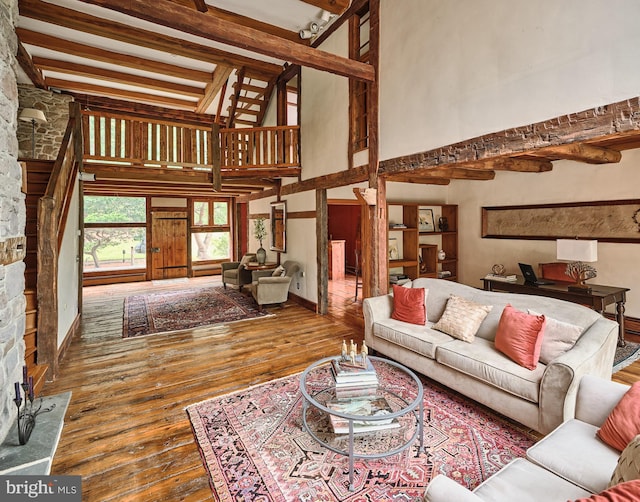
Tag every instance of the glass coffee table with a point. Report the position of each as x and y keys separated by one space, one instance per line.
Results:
x=364 y=433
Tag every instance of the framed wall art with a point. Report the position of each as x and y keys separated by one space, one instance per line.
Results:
x=425 y=220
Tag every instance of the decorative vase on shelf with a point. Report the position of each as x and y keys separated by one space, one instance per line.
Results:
x=441 y=255
x=261 y=255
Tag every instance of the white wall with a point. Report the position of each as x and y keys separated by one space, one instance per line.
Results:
x=68 y=269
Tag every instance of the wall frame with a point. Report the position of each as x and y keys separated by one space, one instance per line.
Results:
x=278 y=219
x=606 y=221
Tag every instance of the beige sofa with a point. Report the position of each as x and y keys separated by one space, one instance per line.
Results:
x=541 y=399
x=568 y=464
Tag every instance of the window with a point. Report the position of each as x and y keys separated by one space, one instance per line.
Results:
x=210 y=231
x=114 y=233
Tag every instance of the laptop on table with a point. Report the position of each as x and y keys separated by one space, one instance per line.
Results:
x=530 y=275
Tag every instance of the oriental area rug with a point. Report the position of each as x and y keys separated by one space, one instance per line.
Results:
x=626 y=355
x=254 y=447
x=186 y=309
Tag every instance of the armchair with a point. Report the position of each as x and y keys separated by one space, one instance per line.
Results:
x=233 y=272
x=268 y=289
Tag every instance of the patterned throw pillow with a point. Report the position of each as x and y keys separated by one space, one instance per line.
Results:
x=462 y=318
x=628 y=467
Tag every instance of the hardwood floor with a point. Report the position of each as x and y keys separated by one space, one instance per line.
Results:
x=126 y=432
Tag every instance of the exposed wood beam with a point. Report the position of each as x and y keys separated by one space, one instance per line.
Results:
x=218 y=79
x=342 y=178
x=76 y=20
x=454 y=173
x=333 y=6
x=86 y=51
x=582 y=153
x=82 y=70
x=410 y=178
x=119 y=93
x=26 y=63
x=616 y=119
x=246 y=21
x=168 y=14
x=510 y=164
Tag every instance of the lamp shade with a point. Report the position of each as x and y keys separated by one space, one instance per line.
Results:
x=32 y=114
x=577 y=250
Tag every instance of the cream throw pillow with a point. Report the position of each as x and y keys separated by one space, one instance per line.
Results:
x=559 y=337
x=628 y=467
x=279 y=271
x=462 y=318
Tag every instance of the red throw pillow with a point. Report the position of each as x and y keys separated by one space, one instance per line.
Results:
x=408 y=305
x=623 y=423
x=629 y=491
x=519 y=336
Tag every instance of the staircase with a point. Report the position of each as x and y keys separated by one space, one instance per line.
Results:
x=249 y=100
x=38 y=173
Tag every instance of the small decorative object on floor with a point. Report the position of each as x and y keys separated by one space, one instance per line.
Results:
x=27 y=415
x=260 y=232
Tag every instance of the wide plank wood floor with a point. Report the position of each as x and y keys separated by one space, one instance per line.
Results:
x=126 y=432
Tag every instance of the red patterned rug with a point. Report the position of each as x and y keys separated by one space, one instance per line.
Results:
x=254 y=448
x=186 y=309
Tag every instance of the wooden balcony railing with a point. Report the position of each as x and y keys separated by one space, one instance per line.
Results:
x=260 y=147
x=117 y=139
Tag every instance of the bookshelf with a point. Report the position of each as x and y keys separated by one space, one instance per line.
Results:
x=417 y=251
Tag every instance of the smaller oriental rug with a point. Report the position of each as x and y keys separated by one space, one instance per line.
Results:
x=186 y=309
x=626 y=355
x=254 y=447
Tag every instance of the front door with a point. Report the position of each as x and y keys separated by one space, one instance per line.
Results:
x=168 y=244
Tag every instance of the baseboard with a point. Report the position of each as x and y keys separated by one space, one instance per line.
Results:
x=309 y=305
x=73 y=329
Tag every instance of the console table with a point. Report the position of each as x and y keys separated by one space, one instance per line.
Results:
x=597 y=299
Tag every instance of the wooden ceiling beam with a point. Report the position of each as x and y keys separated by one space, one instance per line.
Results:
x=76 y=20
x=510 y=164
x=409 y=178
x=333 y=6
x=218 y=79
x=86 y=51
x=82 y=70
x=119 y=93
x=26 y=63
x=454 y=173
x=180 y=18
x=581 y=152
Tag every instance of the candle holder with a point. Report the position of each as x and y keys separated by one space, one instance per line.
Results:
x=28 y=413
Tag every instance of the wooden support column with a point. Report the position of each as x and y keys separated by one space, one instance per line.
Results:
x=322 y=250
x=216 y=158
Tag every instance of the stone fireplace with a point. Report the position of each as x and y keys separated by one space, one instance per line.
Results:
x=12 y=223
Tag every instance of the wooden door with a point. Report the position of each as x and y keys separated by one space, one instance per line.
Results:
x=168 y=244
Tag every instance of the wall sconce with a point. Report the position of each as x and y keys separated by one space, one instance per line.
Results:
x=579 y=253
x=33 y=115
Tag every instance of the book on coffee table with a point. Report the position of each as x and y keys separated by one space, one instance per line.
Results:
x=372 y=406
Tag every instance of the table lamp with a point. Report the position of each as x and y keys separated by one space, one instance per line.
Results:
x=33 y=115
x=578 y=253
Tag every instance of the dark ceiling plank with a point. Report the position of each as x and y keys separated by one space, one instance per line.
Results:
x=333 y=6
x=26 y=63
x=616 y=119
x=247 y=21
x=168 y=14
x=81 y=70
x=218 y=80
x=86 y=51
x=120 y=93
x=73 y=19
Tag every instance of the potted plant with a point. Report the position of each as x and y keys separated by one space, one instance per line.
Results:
x=260 y=232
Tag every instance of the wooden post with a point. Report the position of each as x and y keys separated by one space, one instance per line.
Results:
x=322 y=250
x=215 y=158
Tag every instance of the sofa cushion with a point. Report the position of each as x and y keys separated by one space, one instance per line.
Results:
x=623 y=423
x=628 y=467
x=559 y=337
x=482 y=361
x=278 y=271
x=573 y=452
x=462 y=318
x=420 y=339
x=409 y=305
x=624 y=492
x=519 y=336
x=523 y=481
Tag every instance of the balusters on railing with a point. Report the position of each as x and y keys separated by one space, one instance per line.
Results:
x=260 y=147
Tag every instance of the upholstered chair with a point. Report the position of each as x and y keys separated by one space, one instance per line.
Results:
x=233 y=272
x=272 y=286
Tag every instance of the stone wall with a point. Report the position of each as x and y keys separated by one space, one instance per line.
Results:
x=48 y=136
x=12 y=222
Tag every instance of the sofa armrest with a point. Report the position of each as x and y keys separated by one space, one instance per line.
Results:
x=257 y=274
x=592 y=354
x=597 y=397
x=375 y=309
x=444 y=489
